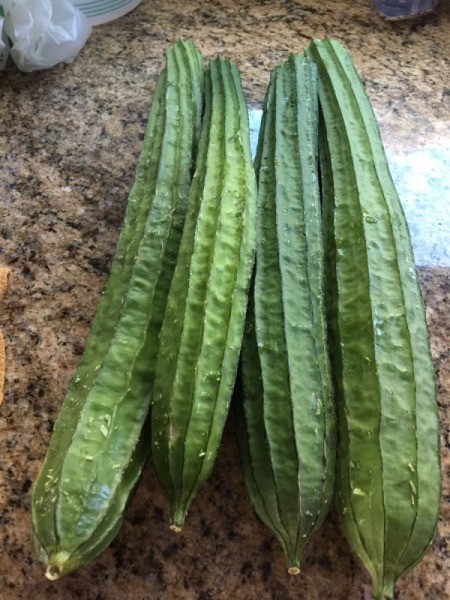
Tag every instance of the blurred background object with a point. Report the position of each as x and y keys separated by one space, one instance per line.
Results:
x=43 y=33
x=403 y=9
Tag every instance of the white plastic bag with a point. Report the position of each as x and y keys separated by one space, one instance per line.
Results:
x=44 y=32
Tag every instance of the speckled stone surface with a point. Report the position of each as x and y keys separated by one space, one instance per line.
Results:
x=69 y=139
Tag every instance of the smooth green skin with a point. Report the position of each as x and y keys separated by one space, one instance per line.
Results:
x=203 y=325
x=388 y=473
x=285 y=418
x=95 y=457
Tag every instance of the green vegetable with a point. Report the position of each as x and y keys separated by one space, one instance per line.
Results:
x=388 y=479
x=285 y=417
x=203 y=325
x=94 y=458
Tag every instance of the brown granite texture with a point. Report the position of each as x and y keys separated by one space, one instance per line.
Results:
x=69 y=139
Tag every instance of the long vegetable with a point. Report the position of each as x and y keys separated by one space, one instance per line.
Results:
x=97 y=451
x=388 y=479
x=285 y=418
x=204 y=321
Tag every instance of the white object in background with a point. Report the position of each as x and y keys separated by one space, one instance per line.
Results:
x=103 y=11
x=44 y=32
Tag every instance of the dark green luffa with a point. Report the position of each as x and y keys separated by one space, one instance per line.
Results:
x=285 y=414
x=388 y=477
x=204 y=321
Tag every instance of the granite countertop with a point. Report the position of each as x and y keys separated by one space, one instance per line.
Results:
x=69 y=140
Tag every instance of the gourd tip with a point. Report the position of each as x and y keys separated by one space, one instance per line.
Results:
x=53 y=572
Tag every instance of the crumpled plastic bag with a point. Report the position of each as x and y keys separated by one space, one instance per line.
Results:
x=44 y=32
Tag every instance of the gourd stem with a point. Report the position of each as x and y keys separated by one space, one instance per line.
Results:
x=177 y=519
x=383 y=590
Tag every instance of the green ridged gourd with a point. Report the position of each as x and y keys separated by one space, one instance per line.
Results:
x=285 y=418
x=203 y=326
x=388 y=475
x=97 y=452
